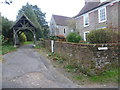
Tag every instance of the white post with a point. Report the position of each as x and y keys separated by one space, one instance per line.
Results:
x=34 y=40
x=52 y=46
x=14 y=38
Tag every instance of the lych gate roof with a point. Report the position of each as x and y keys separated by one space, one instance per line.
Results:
x=61 y=20
x=24 y=20
x=90 y=6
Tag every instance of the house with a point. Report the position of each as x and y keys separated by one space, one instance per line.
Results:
x=97 y=15
x=59 y=25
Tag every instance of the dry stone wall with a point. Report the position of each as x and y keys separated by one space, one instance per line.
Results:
x=87 y=57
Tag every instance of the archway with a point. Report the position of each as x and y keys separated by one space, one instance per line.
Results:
x=19 y=32
x=21 y=25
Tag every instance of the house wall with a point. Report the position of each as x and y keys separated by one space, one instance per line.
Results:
x=58 y=29
x=61 y=30
x=113 y=16
x=112 y=20
x=52 y=27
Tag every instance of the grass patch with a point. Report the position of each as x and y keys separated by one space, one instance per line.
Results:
x=56 y=57
x=7 y=49
x=108 y=76
x=38 y=47
x=28 y=42
x=70 y=68
x=1 y=54
x=0 y=50
x=80 y=77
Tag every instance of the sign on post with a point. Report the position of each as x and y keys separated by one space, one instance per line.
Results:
x=102 y=48
x=52 y=46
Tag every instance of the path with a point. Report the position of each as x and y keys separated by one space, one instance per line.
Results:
x=26 y=68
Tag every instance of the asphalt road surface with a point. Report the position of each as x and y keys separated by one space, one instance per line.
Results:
x=26 y=68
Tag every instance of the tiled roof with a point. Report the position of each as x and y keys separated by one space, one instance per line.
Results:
x=61 y=20
x=90 y=6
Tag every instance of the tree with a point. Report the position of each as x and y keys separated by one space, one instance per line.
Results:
x=72 y=25
x=6 y=31
x=45 y=31
x=27 y=10
x=0 y=24
x=23 y=38
x=41 y=20
x=29 y=35
x=7 y=2
x=40 y=15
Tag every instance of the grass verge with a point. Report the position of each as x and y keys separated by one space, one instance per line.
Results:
x=108 y=76
x=7 y=49
x=28 y=42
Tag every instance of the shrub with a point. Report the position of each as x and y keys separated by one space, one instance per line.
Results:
x=53 y=37
x=74 y=37
x=3 y=40
x=23 y=38
x=102 y=36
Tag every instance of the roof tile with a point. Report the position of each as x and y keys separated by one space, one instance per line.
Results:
x=61 y=20
x=90 y=6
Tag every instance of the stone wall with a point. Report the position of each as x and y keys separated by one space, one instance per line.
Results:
x=87 y=56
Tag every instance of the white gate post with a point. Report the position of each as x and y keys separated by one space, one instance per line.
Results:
x=52 y=46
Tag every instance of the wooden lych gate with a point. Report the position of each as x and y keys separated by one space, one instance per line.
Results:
x=23 y=24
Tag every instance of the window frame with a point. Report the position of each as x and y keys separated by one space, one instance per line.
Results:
x=84 y=17
x=99 y=16
x=64 y=31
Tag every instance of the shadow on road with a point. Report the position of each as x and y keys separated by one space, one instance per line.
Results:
x=26 y=46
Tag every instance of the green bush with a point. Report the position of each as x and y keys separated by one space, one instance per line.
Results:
x=53 y=37
x=23 y=38
x=74 y=37
x=3 y=41
x=7 y=48
x=102 y=36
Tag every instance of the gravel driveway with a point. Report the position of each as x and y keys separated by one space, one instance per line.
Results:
x=26 y=68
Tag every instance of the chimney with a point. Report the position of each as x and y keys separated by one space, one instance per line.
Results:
x=86 y=1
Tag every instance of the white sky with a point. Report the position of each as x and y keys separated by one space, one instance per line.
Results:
x=68 y=8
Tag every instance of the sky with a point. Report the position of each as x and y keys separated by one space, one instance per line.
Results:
x=68 y=8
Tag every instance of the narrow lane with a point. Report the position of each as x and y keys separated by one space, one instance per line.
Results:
x=26 y=68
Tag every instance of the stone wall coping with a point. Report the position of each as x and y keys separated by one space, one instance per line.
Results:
x=91 y=45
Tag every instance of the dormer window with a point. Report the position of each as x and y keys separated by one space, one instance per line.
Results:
x=86 y=20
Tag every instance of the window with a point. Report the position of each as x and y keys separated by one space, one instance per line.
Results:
x=85 y=35
x=86 y=20
x=64 y=31
x=102 y=14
